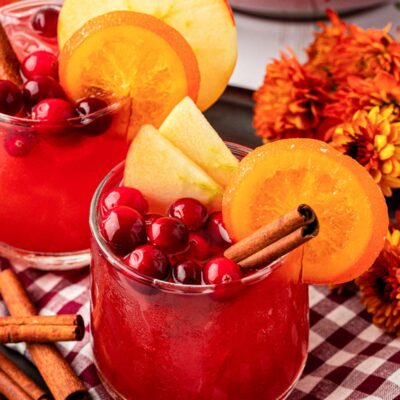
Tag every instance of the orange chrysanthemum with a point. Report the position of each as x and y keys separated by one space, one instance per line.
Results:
x=341 y=50
x=364 y=53
x=373 y=139
x=289 y=102
x=380 y=287
x=324 y=42
x=382 y=90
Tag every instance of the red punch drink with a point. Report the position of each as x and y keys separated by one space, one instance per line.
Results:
x=161 y=339
x=53 y=153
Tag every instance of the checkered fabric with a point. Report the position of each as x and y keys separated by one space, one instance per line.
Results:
x=349 y=358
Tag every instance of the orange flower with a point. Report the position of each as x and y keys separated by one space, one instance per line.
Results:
x=373 y=139
x=365 y=53
x=380 y=287
x=381 y=90
x=289 y=102
x=324 y=42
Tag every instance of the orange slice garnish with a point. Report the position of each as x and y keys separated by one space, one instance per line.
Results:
x=127 y=54
x=352 y=212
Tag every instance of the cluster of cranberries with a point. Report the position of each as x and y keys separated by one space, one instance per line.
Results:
x=183 y=247
x=43 y=99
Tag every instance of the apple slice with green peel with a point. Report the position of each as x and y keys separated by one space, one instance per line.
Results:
x=163 y=173
x=188 y=129
x=207 y=25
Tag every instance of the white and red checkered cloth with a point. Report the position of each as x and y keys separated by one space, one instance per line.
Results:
x=349 y=358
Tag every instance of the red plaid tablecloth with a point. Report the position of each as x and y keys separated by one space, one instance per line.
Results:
x=349 y=358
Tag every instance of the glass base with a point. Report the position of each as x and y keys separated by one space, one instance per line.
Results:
x=46 y=261
x=116 y=396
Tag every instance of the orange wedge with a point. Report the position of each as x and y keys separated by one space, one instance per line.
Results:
x=351 y=209
x=128 y=54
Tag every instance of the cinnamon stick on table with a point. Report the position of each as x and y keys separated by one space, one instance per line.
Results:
x=14 y=384
x=9 y=63
x=41 y=329
x=56 y=372
x=276 y=239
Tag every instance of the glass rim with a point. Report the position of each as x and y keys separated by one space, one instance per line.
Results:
x=116 y=262
x=113 y=106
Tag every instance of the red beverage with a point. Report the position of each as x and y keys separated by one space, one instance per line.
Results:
x=154 y=339
x=49 y=170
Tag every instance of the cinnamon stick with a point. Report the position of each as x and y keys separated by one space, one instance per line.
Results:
x=41 y=329
x=302 y=215
x=10 y=389
x=15 y=377
x=56 y=372
x=9 y=63
x=281 y=247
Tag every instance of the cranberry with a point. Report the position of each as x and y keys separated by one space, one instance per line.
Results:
x=149 y=260
x=221 y=270
x=170 y=234
x=54 y=114
x=149 y=219
x=190 y=211
x=19 y=144
x=4 y=263
x=40 y=63
x=187 y=272
x=217 y=231
x=45 y=21
x=10 y=98
x=125 y=196
x=93 y=125
x=40 y=88
x=199 y=247
x=124 y=229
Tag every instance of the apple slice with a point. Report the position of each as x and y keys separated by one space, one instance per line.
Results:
x=163 y=173
x=207 y=25
x=188 y=129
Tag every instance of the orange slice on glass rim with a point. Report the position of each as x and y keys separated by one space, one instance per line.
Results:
x=351 y=209
x=124 y=54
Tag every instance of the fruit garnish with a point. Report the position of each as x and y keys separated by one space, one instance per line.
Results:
x=163 y=173
x=207 y=25
x=45 y=21
x=10 y=98
x=40 y=63
x=188 y=129
x=126 y=54
x=351 y=209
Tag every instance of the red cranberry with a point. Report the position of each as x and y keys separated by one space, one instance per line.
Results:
x=45 y=21
x=93 y=125
x=149 y=219
x=42 y=87
x=54 y=114
x=150 y=261
x=187 y=272
x=221 y=270
x=199 y=247
x=170 y=234
x=217 y=231
x=40 y=63
x=125 y=196
x=10 y=98
x=190 y=211
x=4 y=263
x=19 y=144
x=124 y=229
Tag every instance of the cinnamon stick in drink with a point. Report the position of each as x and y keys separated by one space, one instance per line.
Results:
x=41 y=329
x=9 y=63
x=56 y=372
x=301 y=216
x=281 y=247
x=13 y=377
